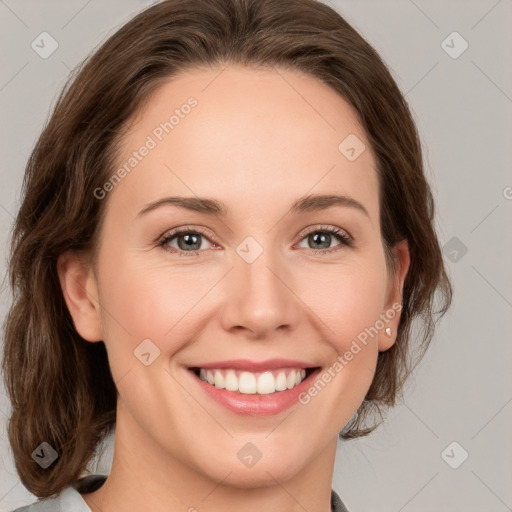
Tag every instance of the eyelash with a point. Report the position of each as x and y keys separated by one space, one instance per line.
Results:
x=343 y=237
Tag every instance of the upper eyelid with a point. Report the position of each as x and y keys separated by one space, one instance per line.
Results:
x=186 y=229
x=324 y=227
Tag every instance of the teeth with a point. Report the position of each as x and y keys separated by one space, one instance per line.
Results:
x=281 y=381
x=290 y=381
x=249 y=383
x=266 y=383
x=231 y=381
x=219 y=380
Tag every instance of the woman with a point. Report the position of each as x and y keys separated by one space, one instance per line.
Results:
x=166 y=268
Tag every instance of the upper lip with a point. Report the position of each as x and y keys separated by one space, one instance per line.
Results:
x=255 y=366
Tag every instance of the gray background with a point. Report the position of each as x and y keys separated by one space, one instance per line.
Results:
x=462 y=391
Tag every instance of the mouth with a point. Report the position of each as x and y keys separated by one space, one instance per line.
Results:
x=254 y=383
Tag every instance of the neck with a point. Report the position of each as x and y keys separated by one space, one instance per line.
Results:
x=144 y=476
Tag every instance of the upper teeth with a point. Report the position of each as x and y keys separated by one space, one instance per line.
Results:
x=250 y=383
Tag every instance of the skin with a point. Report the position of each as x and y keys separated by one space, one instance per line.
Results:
x=258 y=140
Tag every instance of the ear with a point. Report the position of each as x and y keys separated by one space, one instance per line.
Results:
x=393 y=304
x=80 y=291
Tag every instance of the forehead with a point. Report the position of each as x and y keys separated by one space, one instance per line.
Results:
x=250 y=136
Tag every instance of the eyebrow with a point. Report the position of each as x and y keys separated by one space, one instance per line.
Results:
x=215 y=207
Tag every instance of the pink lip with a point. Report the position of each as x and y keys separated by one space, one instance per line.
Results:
x=254 y=366
x=256 y=405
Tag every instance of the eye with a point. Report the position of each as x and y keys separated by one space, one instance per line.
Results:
x=189 y=241
x=323 y=236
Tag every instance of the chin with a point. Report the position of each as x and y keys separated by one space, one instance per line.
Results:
x=262 y=473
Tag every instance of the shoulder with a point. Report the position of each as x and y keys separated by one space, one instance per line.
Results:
x=69 y=499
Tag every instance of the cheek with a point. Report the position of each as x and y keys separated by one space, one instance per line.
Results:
x=152 y=301
x=148 y=303
x=159 y=301
x=347 y=299
x=346 y=302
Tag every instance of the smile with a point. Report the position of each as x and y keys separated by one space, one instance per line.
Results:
x=249 y=383
x=255 y=392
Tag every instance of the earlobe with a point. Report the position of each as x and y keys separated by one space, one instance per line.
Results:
x=80 y=292
x=387 y=336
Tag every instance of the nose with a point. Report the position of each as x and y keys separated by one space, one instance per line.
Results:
x=260 y=297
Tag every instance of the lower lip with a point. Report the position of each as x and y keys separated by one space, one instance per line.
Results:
x=254 y=404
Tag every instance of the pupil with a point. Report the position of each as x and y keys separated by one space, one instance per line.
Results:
x=189 y=241
x=323 y=237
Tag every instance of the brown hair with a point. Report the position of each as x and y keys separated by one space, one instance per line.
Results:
x=60 y=385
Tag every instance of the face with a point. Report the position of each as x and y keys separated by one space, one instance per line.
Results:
x=250 y=278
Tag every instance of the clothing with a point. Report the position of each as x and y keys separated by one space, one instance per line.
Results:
x=70 y=500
